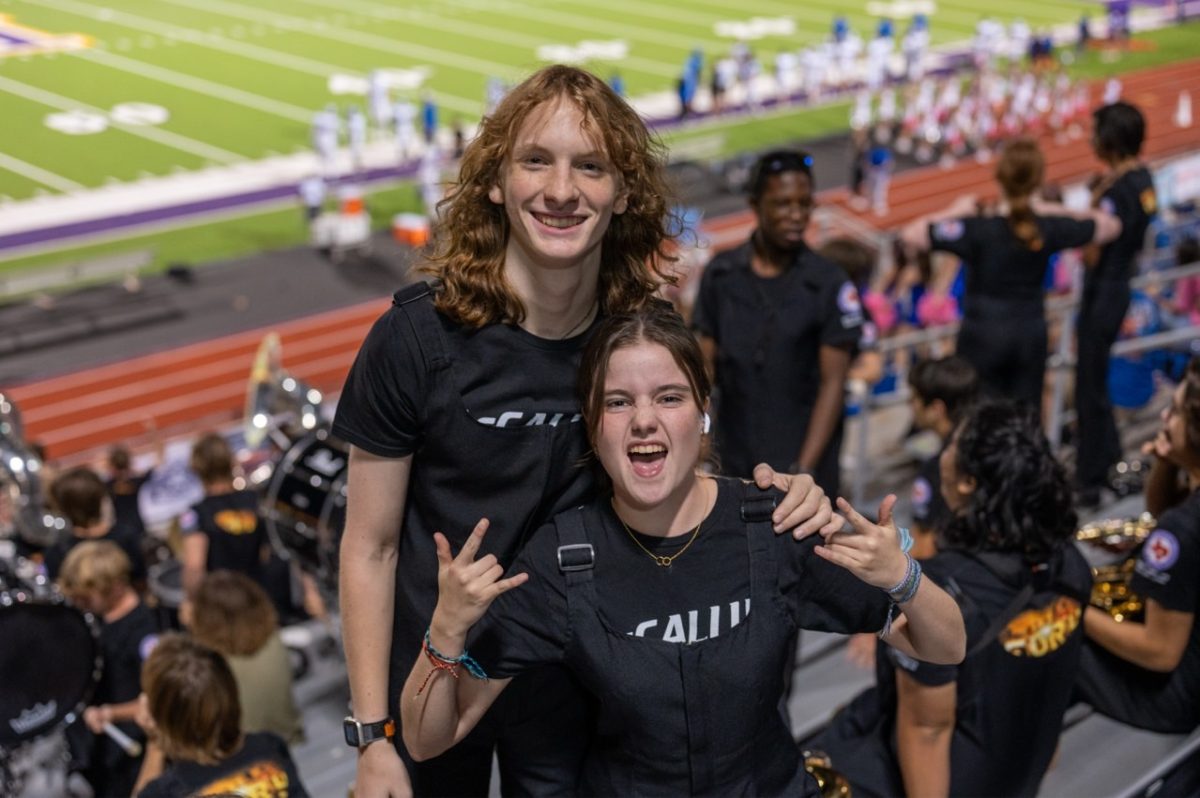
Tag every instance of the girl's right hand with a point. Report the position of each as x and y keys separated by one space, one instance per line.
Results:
x=466 y=586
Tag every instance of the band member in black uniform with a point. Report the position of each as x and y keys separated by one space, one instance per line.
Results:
x=1126 y=190
x=778 y=325
x=461 y=405
x=674 y=608
x=1005 y=255
x=989 y=726
x=81 y=496
x=1147 y=673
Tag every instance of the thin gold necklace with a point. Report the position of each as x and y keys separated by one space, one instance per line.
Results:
x=660 y=560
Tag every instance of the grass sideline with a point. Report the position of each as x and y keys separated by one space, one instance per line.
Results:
x=282 y=228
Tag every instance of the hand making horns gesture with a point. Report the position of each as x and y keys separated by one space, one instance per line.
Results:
x=869 y=551
x=466 y=586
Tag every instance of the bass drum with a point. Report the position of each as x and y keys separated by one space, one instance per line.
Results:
x=304 y=507
x=50 y=656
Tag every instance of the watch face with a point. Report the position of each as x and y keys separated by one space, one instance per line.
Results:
x=350 y=732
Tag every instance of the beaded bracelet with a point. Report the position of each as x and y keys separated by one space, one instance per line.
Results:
x=441 y=662
x=907 y=587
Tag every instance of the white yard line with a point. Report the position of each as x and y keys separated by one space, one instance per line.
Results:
x=199 y=85
x=590 y=26
x=200 y=38
x=38 y=174
x=487 y=33
x=157 y=135
x=410 y=50
x=254 y=52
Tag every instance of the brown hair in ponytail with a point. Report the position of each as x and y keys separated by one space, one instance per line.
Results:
x=1019 y=173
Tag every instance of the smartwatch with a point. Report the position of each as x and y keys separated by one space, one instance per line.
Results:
x=360 y=735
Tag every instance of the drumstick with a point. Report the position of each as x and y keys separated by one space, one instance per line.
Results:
x=128 y=745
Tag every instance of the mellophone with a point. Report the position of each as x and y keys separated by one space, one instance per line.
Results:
x=1112 y=547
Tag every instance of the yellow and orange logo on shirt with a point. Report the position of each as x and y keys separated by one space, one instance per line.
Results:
x=1042 y=631
x=236 y=522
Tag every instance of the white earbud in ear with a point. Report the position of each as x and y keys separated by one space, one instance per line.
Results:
x=707 y=424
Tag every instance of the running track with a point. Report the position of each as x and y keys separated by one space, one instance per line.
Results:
x=203 y=384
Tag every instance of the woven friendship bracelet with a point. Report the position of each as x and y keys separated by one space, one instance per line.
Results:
x=907 y=587
x=906 y=539
x=441 y=662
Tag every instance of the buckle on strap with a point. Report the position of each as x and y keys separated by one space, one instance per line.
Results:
x=758 y=509
x=576 y=557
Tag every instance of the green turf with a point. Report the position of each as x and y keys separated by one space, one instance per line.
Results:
x=361 y=34
x=284 y=51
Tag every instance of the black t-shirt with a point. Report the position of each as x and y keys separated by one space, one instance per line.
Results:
x=124 y=644
x=928 y=507
x=1169 y=572
x=124 y=492
x=1003 y=277
x=506 y=377
x=235 y=535
x=1011 y=693
x=263 y=768
x=705 y=592
x=128 y=539
x=769 y=333
x=1132 y=200
x=423 y=385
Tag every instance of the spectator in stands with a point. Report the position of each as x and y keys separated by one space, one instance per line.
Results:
x=613 y=616
x=989 y=726
x=81 y=497
x=1126 y=191
x=1006 y=253
x=233 y=615
x=95 y=577
x=941 y=392
x=1147 y=673
x=559 y=216
x=190 y=708
x=125 y=485
x=778 y=325
x=222 y=531
x=1187 y=289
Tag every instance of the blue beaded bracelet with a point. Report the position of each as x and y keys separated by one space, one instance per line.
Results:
x=463 y=659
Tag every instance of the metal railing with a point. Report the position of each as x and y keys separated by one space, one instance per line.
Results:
x=1058 y=310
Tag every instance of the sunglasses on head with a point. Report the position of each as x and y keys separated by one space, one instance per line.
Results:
x=776 y=163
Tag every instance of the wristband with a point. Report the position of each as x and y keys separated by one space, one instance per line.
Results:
x=441 y=662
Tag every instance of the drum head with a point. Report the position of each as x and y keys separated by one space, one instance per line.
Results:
x=305 y=504
x=50 y=661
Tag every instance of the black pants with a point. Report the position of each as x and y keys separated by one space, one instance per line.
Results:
x=1158 y=702
x=1009 y=354
x=1099 y=444
x=539 y=729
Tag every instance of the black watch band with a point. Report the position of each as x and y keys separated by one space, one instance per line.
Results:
x=360 y=735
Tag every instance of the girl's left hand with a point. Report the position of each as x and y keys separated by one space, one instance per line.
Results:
x=869 y=551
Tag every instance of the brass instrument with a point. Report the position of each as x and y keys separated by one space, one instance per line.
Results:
x=831 y=783
x=23 y=511
x=1115 y=542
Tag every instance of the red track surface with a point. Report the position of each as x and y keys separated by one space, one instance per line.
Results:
x=204 y=384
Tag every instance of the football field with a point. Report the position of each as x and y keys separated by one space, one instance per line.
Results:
x=117 y=90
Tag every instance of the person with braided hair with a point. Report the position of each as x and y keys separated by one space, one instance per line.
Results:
x=1006 y=250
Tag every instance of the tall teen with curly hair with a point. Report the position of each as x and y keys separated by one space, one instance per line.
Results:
x=990 y=725
x=461 y=405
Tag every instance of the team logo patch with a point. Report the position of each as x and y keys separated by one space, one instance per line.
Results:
x=1161 y=550
x=1041 y=631
x=922 y=492
x=847 y=299
x=189 y=521
x=1149 y=201
x=1107 y=205
x=949 y=230
x=146 y=646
